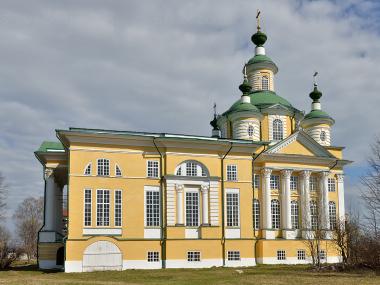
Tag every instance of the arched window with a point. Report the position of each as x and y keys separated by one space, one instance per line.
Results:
x=250 y=131
x=278 y=130
x=313 y=215
x=294 y=214
x=275 y=209
x=332 y=215
x=191 y=168
x=322 y=136
x=265 y=83
x=87 y=170
x=256 y=214
x=117 y=170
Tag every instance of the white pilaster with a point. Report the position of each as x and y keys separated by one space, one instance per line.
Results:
x=49 y=200
x=323 y=200
x=305 y=202
x=288 y=232
x=341 y=208
x=180 y=189
x=205 y=217
x=268 y=232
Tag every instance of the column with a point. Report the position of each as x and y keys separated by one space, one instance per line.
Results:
x=59 y=208
x=267 y=231
x=341 y=208
x=205 y=219
x=49 y=224
x=305 y=203
x=323 y=200
x=180 y=189
x=286 y=221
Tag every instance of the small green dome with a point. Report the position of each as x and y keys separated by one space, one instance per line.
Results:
x=260 y=58
x=242 y=107
x=259 y=38
x=245 y=87
x=261 y=98
x=316 y=94
x=318 y=114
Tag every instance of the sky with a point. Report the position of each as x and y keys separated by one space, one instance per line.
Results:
x=160 y=65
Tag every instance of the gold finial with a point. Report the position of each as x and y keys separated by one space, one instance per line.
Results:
x=258 y=19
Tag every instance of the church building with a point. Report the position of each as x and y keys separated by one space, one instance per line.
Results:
x=254 y=192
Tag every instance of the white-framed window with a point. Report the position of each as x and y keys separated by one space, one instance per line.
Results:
x=322 y=255
x=281 y=254
x=256 y=181
x=153 y=256
x=231 y=172
x=152 y=207
x=294 y=214
x=274 y=182
x=313 y=215
x=265 y=82
x=152 y=168
x=250 y=131
x=278 y=130
x=87 y=207
x=322 y=136
x=103 y=167
x=313 y=183
x=191 y=169
x=102 y=208
x=118 y=171
x=256 y=214
x=233 y=255
x=275 y=210
x=232 y=209
x=193 y=256
x=192 y=209
x=301 y=254
x=332 y=215
x=293 y=183
x=179 y=171
x=331 y=184
x=87 y=170
x=118 y=208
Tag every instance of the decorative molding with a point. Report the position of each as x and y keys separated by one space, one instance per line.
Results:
x=266 y=172
x=340 y=178
x=286 y=173
x=306 y=174
x=48 y=173
x=179 y=187
x=205 y=188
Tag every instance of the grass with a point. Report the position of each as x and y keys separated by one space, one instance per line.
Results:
x=263 y=274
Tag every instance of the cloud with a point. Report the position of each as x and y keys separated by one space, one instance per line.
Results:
x=160 y=65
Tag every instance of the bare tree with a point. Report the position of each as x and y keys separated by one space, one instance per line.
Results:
x=8 y=253
x=3 y=196
x=29 y=219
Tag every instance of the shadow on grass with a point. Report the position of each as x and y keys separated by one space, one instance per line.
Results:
x=31 y=267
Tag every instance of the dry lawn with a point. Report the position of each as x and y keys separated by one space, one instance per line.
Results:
x=271 y=275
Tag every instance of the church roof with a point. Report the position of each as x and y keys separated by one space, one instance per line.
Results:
x=49 y=146
x=260 y=58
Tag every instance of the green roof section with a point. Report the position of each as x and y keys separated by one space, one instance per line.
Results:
x=260 y=58
x=242 y=107
x=318 y=114
x=49 y=146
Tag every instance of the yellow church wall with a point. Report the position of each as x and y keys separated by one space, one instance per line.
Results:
x=296 y=148
x=210 y=249
x=246 y=247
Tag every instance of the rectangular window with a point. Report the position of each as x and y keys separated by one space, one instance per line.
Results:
x=301 y=254
x=293 y=183
x=313 y=184
x=233 y=255
x=281 y=255
x=103 y=208
x=322 y=255
x=192 y=209
x=103 y=167
x=191 y=169
x=274 y=182
x=256 y=214
x=256 y=181
x=152 y=204
x=118 y=208
x=294 y=215
x=153 y=256
x=152 y=170
x=193 y=256
x=232 y=202
x=87 y=207
x=231 y=172
x=331 y=184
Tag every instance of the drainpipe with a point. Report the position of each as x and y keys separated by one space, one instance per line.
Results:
x=163 y=210
x=222 y=188
x=253 y=189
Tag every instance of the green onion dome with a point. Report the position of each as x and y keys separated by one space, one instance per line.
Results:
x=245 y=87
x=259 y=38
x=315 y=94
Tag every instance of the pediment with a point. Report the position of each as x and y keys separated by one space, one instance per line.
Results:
x=300 y=143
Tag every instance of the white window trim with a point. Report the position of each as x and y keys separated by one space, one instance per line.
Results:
x=121 y=172
x=152 y=189
x=97 y=167
x=190 y=190
x=233 y=191
x=152 y=251
x=158 y=169
x=114 y=208
x=85 y=169
x=304 y=254
x=236 y=168
x=96 y=212
x=277 y=253
x=84 y=208
x=187 y=256
x=231 y=252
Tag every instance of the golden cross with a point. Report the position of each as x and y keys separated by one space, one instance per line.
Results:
x=258 y=19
